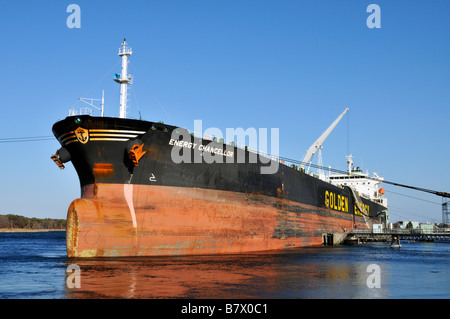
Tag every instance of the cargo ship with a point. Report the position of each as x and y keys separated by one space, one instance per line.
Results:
x=139 y=199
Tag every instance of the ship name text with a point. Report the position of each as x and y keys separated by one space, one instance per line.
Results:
x=201 y=147
x=336 y=201
x=365 y=207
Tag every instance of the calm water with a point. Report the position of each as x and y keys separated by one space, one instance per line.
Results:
x=33 y=265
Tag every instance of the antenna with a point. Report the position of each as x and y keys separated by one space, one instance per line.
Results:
x=91 y=103
x=124 y=78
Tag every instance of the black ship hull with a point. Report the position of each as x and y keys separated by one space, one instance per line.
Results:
x=154 y=189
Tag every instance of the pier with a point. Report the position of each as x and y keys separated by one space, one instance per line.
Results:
x=394 y=237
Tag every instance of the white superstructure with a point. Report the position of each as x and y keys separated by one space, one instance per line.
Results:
x=360 y=182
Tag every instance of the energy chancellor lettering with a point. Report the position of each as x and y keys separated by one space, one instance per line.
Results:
x=201 y=147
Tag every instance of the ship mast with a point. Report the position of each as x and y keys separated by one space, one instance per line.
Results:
x=349 y=163
x=124 y=78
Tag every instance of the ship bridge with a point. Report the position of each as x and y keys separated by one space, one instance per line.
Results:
x=360 y=182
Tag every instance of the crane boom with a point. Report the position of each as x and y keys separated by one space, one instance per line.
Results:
x=318 y=144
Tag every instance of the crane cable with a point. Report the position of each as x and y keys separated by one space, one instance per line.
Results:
x=438 y=193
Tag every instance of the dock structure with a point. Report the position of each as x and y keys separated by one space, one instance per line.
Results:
x=394 y=237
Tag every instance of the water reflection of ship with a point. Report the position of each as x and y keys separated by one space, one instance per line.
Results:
x=222 y=277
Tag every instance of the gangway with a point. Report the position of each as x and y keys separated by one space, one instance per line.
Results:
x=359 y=204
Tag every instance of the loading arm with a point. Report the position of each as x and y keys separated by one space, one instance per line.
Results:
x=318 y=144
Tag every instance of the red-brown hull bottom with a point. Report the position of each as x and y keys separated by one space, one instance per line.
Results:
x=140 y=220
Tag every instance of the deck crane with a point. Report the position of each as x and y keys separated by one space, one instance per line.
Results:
x=317 y=146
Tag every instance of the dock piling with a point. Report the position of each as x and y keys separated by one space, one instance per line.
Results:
x=395 y=240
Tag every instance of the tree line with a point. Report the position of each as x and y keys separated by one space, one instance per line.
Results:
x=17 y=221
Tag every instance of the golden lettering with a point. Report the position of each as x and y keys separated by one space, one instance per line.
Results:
x=336 y=201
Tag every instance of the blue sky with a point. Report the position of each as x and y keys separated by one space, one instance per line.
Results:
x=293 y=65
